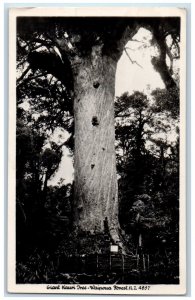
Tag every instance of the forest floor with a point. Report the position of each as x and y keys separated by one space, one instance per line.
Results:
x=42 y=267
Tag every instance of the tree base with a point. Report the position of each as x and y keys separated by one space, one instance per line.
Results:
x=86 y=243
x=79 y=243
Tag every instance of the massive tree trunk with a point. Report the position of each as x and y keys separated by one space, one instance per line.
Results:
x=88 y=51
x=96 y=193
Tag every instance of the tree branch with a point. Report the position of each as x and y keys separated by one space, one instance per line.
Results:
x=24 y=73
x=134 y=40
x=31 y=78
x=123 y=116
x=132 y=61
x=130 y=48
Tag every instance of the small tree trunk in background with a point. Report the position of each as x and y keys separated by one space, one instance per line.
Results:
x=159 y=62
x=96 y=192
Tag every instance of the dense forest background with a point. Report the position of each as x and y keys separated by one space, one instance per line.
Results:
x=147 y=153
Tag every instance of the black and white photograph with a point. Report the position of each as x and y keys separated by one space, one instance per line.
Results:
x=97 y=151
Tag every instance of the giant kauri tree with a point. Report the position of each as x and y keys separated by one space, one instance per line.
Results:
x=82 y=53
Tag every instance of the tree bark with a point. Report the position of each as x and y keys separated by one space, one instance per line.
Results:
x=96 y=192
